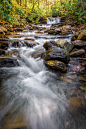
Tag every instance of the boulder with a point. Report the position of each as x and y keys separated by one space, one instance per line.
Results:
x=55 y=64
x=82 y=35
x=57 y=53
x=64 y=44
x=49 y=44
x=79 y=43
x=78 y=52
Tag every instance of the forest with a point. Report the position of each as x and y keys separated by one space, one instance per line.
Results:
x=21 y=11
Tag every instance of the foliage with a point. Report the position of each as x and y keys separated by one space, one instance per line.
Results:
x=16 y=11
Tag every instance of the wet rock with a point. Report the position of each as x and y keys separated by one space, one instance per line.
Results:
x=2 y=51
x=82 y=35
x=56 y=65
x=15 y=122
x=79 y=43
x=75 y=36
x=69 y=78
x=64 y=44
x=59 y=54
x=3 y=39
x=78 y=68
x=10 y=28
x=49 y=44
x=30 y=43
x=66 y=31
x=37 y=55
x=83 y=63
x=78 y=52
x=75 y=102
x=18 y=29
x=8 y=62
x=52 y=31
x=42 y=20
x=29 y=38
x=17 y=35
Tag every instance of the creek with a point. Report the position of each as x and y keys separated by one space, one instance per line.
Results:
x=35 y=97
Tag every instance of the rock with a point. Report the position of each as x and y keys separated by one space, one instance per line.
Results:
x=14 y=122
x=59 y=54
x=78 y=68
x=82 y=35
x=18 y=35
x=29 y=38
x=66 y=31
x=42 y=20
x=56 y=65
x=75 y=36
x=18 y=29
x=2 y=29
x=37 y=54
x=64 y=44
x=79 y=43
x=8 y=62
x=30 y=43
x=2 y=32
x=75 y=102
x=49 y=44
x=78 y=33
x=78 y=52
x=2 y=51
x=52 y=31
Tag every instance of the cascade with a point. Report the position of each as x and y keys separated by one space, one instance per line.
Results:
x=52 y=20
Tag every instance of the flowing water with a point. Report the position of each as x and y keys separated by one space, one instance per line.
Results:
x=34 y=97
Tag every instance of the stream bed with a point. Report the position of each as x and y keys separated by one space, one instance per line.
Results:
x=35 y=97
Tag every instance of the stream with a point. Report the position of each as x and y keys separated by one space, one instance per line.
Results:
x=35 y=97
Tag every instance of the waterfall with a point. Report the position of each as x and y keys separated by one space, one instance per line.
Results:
x=51 y=20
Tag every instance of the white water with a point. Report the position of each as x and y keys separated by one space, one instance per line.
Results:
x=52 y=20
x=35 y=92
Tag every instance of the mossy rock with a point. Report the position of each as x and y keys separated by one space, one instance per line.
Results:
x=55 y=64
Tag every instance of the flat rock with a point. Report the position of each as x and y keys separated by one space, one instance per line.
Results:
x=79 y=43
x=78 y=52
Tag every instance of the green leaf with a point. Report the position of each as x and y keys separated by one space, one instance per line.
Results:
x=7 y=18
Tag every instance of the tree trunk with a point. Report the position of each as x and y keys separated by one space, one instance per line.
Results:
x=25 y=3
x=20 y=2
x=82 y=5
x=33 y=6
